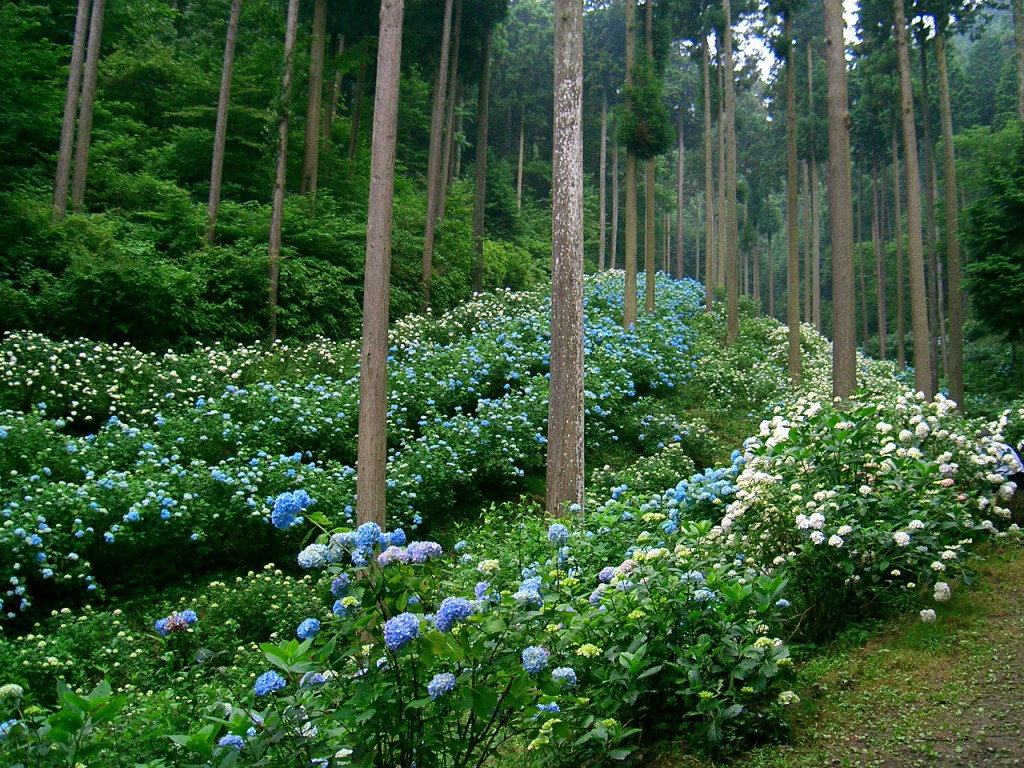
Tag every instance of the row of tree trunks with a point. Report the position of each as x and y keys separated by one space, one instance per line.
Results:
x=792 y=225
x=87 y=104
x=67 y=134
x=480 y=191
x=649 y=234
x=709 y=190
x=731 y=213
x=629 y=300
x=314 y=97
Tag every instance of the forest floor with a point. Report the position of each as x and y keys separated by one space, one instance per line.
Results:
x=949 y=693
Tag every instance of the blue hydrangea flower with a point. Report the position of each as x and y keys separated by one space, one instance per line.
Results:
x=606 y=574
x=421 y=551
x=269 y=682
x=286 y=509
x=441 y=684
x=558 y=534
x=535 y=659
x=310 y=679
x=782 y=603
x=7 y=728
x=232 y=741
x=314 y=556
x=401 y=630
x=340 y=584
x=452 y=611
x=397 y=538
x=392 y=554
x=565 y=675
x=307 y=629
x=551 y=708
x=368 y=535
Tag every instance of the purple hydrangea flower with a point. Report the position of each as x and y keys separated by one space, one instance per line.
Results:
x=421 y=551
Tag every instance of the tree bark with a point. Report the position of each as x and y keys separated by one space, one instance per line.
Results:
x=650 y=269
x=955 y=369
x=67 y=132
x=522 y=153
x=844 y=343
x=613 y=254
x=480 y=193
x=88 y=103
x=629 y=300
x=915 y=247
x=880 y=281
x=709 y=185
x=771 y=278
x=277 y=206
x=732 y=221
x=314 y=99
x=332 y=100
x=221 y=131
x=901 y=311
x=357 y=111
x=757 y=272
x=808 y=287
x=792 y=224
x=601 y=183
x=722 y=246
x=565 y=411
x=680 y=168
x=434 y=156
x=815 y=246
x=450 y=130
x=861 y=268
x=931 y=268
x=371 y=485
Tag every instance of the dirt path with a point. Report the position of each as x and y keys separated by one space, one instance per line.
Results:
x=946 y=694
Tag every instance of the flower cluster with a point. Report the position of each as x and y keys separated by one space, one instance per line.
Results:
x=176 y=622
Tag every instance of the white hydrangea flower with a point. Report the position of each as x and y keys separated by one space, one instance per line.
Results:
x=928 y=615
x=901 y=538
x=942 y=592
x=817 y=537
x=835 y=541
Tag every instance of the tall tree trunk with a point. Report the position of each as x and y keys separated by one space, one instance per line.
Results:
x=732 y=232
x=722 y=246
x=480 y=192
x=649 y=214
x=601 y=266
x=771 y=278
x=696 y=237
x=435 y=156
x=372 y=458
x=901 y=311
x=333 y=95
x=221 y=131
x=67 y=132
x=815 y=246
x=565 y=410
x=915 y=247
x=680 y=168
x=88 y=103
x=955 y=369
x=757 y=273
x=277 y=206
x=629 y=300
x=792 y=224
x=844 y=344
x=613 y=253
x=1018 y=34
x=865 y=333
x=880 y=281
x=808 y=292
x=357 y=111
x=314 y=99
x=450 y=129
x=931 y=269
x=522 y=148
x=709 y=185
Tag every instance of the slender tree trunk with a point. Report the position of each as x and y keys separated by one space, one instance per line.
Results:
x=649 y=214
x=931 y=270
x=757 y=273
x=357 y=111
x=522 y=147
x=88 y=103
x=680 y=168
x=629 y=301
x=221 y=131
x=844 y=344
x=332 y=100
x=565 y=411
x=434 y=156
x=480 y=193
x=792 y=225
x=67 y=132
x=277 y=206
x=314 y=99
x=696 y=237
x=955 y=369
x=601 y=266
x=880 y=281
x=901 y=312
x=709 y=185
x=808 y=292
x=613 y=254
x=459 y=131
x=732 y=232
x=1018 y=34
x=722 y=246
x=372 y=458
x=771 y=278
x=860 y=260
x=450 y=129
x=815 y=245
x=915 y=247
